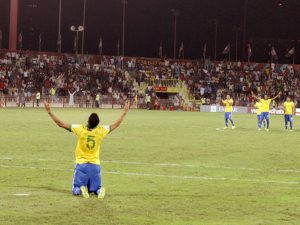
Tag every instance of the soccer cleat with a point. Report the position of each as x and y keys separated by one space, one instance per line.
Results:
x=101 y=193
x=267 y=130
x=84 y=192
x=291 y=130
x=225 y=128
x=259 y=129
x=233 y=127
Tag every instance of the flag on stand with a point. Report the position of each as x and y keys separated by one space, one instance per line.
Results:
x=75 y=44
x=100 y=46
x=40 y=42
x=204 y=51
x=181 y=51
x=160 y=51
x=290 y=52
x=20 y=40
x=59 y=43
x=226 y=50
x=118 y=48
x=249 y=52
x=274 y=54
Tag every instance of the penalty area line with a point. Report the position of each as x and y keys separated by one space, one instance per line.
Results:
x=204 y=178
x=170 y=176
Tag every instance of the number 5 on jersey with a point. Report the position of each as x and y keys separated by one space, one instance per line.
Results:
x=90 y=143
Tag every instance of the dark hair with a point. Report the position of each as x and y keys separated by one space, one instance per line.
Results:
x=93 y=121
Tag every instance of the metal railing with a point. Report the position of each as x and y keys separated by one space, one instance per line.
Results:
x=105 y=102
x=61 y=101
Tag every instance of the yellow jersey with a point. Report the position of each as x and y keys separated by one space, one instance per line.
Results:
x=265 y=105
x=258 y=105
x=228 y=105
x=288 y=108
x=89 y=142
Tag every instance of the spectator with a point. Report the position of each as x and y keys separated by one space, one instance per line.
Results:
x=38 y=98
x=98 y=100
x=71 y=98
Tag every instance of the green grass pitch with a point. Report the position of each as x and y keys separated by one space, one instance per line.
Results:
x=158 y=168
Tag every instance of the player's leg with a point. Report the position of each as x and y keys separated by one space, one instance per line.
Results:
x=94 y=177
x=80 y=181
x=230 y=118
x=264 y=123
x=96 y=181
x=267 y=117
x=259 y=121
x=291 y=122
x=263 y=119
x=226 y=120
x=286 y=121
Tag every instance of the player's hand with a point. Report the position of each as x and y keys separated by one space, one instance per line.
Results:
x=47 y=106
x=127 y=106
x=280 y=93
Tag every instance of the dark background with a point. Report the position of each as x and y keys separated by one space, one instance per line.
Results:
x=149 y=22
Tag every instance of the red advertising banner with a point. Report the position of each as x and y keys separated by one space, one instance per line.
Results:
x=160 y=89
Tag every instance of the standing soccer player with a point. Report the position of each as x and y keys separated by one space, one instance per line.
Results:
x=266 y=108
x=258 y=105
x=289 y=110
x=87 y=176
x=228 y=102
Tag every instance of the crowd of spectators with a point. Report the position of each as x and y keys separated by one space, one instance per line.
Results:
x=22 y=75
x=214 y=80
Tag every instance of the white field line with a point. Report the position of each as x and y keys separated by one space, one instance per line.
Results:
x=205 y=178
x=181 y=165
x=22 y=194
x=167 y=176
x=169 y=165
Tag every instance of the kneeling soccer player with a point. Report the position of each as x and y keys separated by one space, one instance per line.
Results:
x=289 y=110
x=87 y=176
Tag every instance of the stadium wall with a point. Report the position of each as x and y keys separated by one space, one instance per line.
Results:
x=110 y=103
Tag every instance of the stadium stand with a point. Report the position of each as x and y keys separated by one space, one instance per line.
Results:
x=168 y=83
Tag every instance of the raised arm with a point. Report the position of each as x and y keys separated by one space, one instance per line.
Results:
x=119 y=121
x=277 y=96
x=55 y=119
x=254 y=96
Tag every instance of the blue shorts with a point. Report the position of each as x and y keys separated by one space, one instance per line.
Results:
x=259 y=117
x=227 y=115
x=288 y=118
x=89 y=175
x=265 y=115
